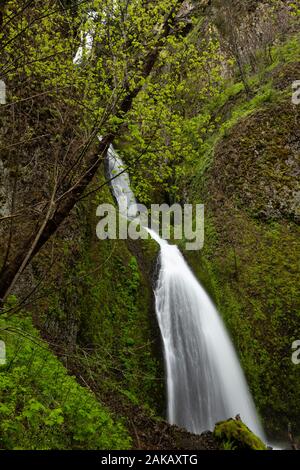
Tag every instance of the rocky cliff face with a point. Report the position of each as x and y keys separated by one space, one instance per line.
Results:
x=250 y=259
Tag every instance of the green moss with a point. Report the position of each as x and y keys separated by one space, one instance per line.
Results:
x=287 y=52
x=236 y=436
x=251 y=271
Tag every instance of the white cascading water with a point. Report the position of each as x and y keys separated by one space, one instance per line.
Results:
x=205 y=382
x=87 y=39
x=121 y=185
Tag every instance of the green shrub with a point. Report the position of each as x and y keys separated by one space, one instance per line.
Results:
x=42 y=407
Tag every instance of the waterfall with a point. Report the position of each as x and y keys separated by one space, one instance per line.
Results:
x=205 y=382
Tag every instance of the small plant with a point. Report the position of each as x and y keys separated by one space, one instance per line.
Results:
x=228 y=445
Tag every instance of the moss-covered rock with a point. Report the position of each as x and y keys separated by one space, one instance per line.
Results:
x=234 y=434
x=257 y=163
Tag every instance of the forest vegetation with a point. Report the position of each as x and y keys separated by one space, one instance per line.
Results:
x=196 y=96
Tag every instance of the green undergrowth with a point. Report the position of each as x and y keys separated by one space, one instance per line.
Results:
x=42 y=407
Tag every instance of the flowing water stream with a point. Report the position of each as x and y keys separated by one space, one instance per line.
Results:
x=205 y=382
